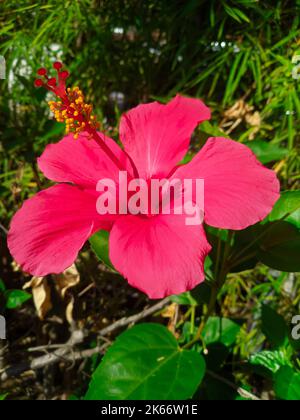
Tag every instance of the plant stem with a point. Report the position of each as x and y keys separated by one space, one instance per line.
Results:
x=216 y=286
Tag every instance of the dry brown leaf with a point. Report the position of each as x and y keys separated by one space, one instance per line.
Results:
x=238 y=110
x=69 y=310
x=41 y=295
x=241 y=111
x=64 y=281
x=253 y=119
x=41 y=291
x=169 y=311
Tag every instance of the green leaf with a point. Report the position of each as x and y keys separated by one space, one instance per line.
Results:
x=273 y=326
x=73 y=398
x=187 y=158
x=53 y=130
x=242 y=239
x=212 y=130
x=184 y=298
x=287 y=384
x=279 y=247
x=3 y=396
x=100 y=245
x=287 y=205
x=2 y=286
x=271 y=360
x=265 y=151
x=275 y=244
x=236 y=14
x=145 y=363
x=15 y=298
x=220 y=330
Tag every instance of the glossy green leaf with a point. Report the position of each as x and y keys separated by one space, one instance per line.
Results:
x=287 y=384
x=273 y=326
x=145 y=362
x=220 y=330
x=279 y=247
x=287 y=207
x=15 y=298
x=266 y=152
x=100 y=245
x=2 y=397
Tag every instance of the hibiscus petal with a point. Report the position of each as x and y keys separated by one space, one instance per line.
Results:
x=81 y=161
x=159 y=255
x=48 y=231
x=157 y=136
x=238 y=190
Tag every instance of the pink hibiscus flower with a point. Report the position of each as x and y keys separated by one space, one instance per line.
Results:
x=160 y=255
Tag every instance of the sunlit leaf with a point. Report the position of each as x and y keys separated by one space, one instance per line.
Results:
x=146 y=363
x=100 y=245
x=220 y=330
x=287 y=384
x=15 y=298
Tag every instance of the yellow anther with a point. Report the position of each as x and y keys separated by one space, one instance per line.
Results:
x=74 y=112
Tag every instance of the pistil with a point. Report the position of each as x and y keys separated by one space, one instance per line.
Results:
x=72 y=109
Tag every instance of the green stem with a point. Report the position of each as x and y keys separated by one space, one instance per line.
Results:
x=216 y=286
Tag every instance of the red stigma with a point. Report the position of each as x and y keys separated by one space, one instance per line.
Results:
x=64 y=74
x=57 y=84
x=52 y=82
x=38 y=83
x=42 y=71
x=57 y=65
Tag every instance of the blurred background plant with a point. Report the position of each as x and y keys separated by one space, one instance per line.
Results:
x=239 y=57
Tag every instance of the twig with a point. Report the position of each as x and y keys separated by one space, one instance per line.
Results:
x=123 y=322
x=48 y=347
x=50 y=358
x=90 y=286
x=4 y=229
x=241 y=391
x=67 y=353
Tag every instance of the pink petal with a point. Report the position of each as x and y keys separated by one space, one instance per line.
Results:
x=239 y=190
x=48 y=231
x=81 y=161
x=159 y=255
x=157 y=136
